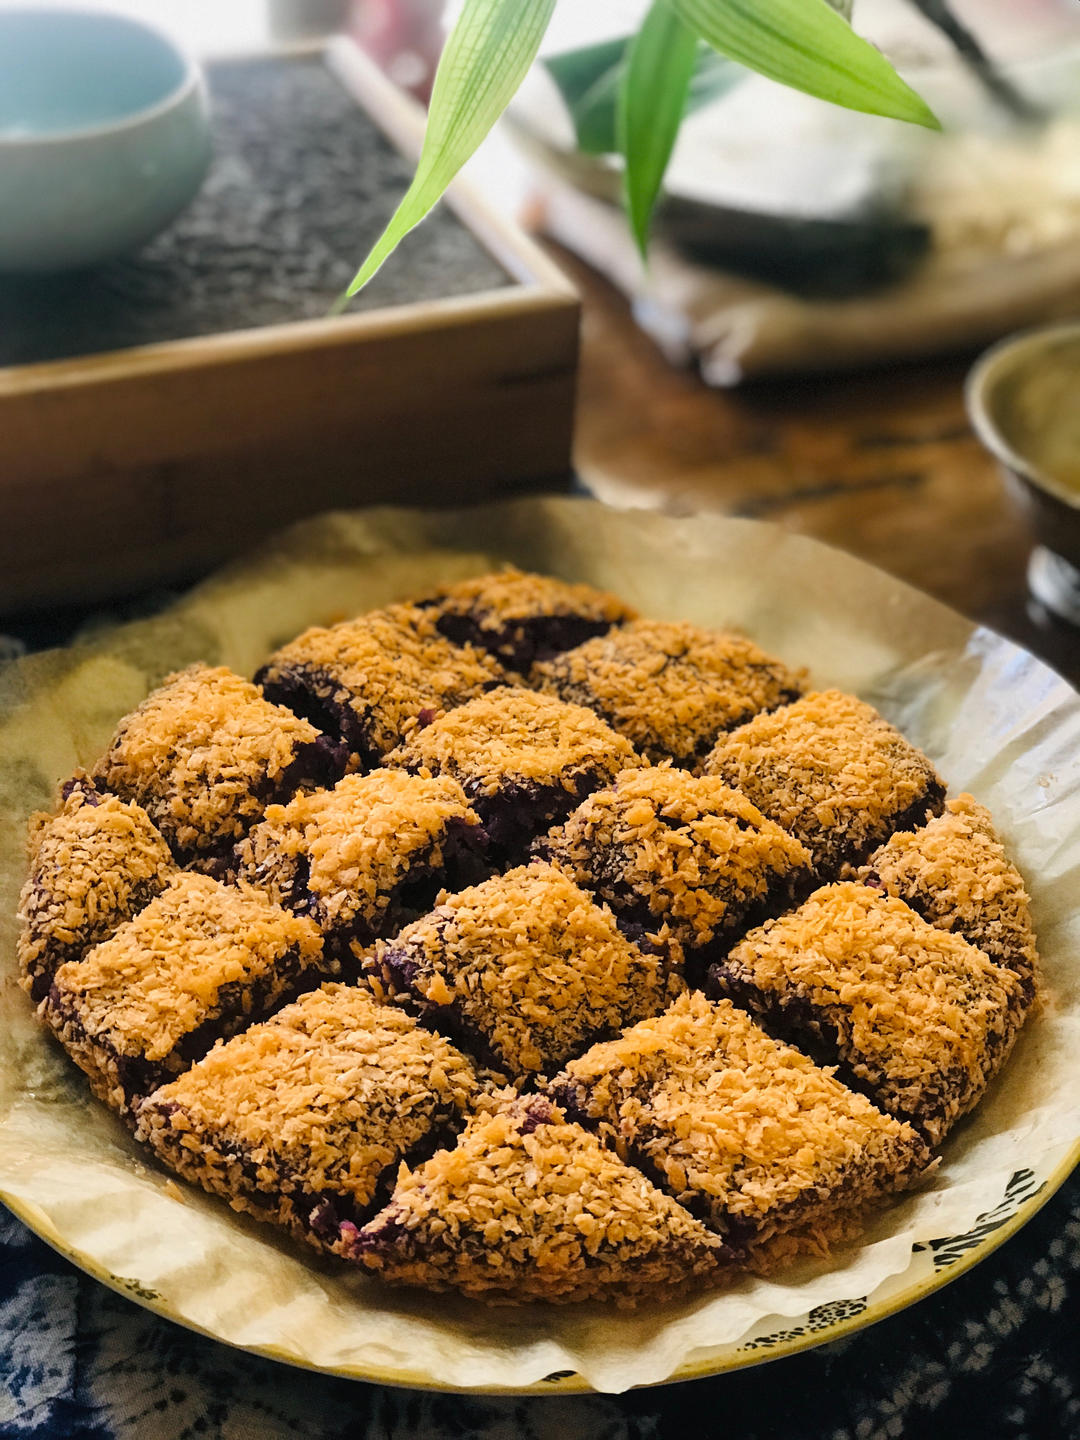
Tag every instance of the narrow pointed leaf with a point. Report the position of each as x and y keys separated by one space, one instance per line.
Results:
x=807 y=45
x=484 y=61
x=652 y=101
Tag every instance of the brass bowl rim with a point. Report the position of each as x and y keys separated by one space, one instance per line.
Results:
x=1002 y=359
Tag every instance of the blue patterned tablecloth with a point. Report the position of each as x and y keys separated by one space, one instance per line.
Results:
x=993 y=1356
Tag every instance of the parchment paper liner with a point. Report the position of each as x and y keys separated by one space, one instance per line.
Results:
x=995 y=720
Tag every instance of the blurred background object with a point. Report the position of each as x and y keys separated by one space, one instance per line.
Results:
x=1024 y=401
x=795 y=235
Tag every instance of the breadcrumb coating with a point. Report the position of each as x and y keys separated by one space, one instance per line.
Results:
x=523 y=759
x=344 y=855
x=670 y=687
x=298 y=1120
x=366 y=679
x=522 y=618
x=833 y=772
x=205 y=752
x=680 y=852
x=530 y=1207
x=93 y=865
x=202 y=960
x=955 y=874
x=746 y=1132
x=528 y=963
x=513 y=734
x=918 y=1016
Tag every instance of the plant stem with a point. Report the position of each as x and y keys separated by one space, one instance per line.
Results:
x=970 y=50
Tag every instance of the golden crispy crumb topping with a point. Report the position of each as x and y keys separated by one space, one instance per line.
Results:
x=201 y=753
x=828 y=768
x=955 y=874
x=350 y=846
x=529 y=962
x=911 y=1004
x=688 y=850
x=163 y=973
x=324 y=1096
x=516 y=734
x=528 y=1206
x=387 y=667
x=669 y=687
x=497 y=600
x=732 y=1118
x=93 y=865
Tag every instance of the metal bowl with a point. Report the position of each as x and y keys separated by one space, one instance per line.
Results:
x=1023 y=398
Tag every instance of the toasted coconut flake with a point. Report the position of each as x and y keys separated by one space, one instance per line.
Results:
x=746 y=1132
x=917 y=1015
x=522 y=618
x=681 y=853
x=955 y=874
x=205 y=752
x=94 y=864
x=366 y=679
x=527 y=962
x=202 y=960
x=833 y=772
x=670 y=687
x=530 y=1207
x=298 y=1119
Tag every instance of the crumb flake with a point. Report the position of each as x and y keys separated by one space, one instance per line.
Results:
x=833 y=772
x=299 y=1119
x=746 y=1132
x=526 y=964
x=670 y=687
x=528 y=1206
x=916 y=1015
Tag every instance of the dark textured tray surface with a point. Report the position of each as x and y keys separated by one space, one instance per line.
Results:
x=301 y=184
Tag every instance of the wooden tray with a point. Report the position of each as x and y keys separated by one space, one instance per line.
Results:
x=149 y=464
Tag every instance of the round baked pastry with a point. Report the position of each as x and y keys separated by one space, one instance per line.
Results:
x=509 y=944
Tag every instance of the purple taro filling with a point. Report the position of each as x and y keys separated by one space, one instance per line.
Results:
x=239 y=1004
x=316 y=696
x=465 y=862
x=519 y=811
x=521 y=643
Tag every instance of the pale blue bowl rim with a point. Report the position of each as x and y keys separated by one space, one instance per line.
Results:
x=190 y=80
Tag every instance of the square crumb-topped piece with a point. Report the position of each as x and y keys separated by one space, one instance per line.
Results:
x=200 y=962
x=300 y=1119
x=917 y=1017
x=681 y=853
x=955 y=874
x=367 y=856
x=521 y=618
x=364 y=681
x=205 y=753
x=524 y=760
x=748 y=1134
x=833 y=772
x=528 y=1206
x=670 y=687
x=525 y=969
x=94 y=864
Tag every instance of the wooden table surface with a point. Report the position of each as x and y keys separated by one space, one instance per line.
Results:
x=882 y=464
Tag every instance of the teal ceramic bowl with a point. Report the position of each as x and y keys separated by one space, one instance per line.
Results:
x=104 y=135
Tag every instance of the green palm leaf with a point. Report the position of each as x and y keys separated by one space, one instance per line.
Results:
x=652 y=101
x=805 y=44
x=485 y=59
